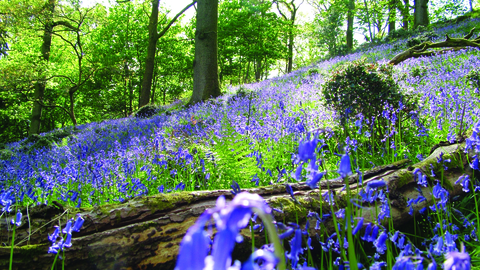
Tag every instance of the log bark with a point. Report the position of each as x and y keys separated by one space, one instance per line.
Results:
x=145 y=232
x=454 y=44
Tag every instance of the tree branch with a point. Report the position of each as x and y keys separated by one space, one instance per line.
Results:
x=420 y=50
x=159 y=35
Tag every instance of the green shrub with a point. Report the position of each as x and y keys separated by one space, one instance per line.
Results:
x=474 y=77
x=147 y=111
x=360 y=87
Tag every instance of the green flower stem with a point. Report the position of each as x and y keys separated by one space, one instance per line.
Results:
x=273 y=235
x=11 y=249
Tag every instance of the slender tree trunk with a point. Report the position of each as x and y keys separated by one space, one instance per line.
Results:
x=72 y=107
x=368 y=21
x=350 y=17
x=151 y=50
x=153 y=36
x=205 y=66
x=420 y=15
x=406 y=13
x=392 y=14
x=39 y=91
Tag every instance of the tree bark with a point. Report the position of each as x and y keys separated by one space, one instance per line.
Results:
x=205 y=65
x=145 y=232
x=39 y=92
x=150 y=60
x=350 y=17
x=405 y=13
x=420 y=15
x=392 y=14
x=153 y=37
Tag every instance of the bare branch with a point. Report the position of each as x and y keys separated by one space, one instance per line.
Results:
x=159 y=35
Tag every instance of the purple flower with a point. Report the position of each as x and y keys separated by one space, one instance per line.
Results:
x=78 y=223
x=18 y=219
x=68 y=241
x=404 y=263
x=315 y=178
x=380 y=242
x=68 y=227
x=345 y=168
x=53 y=237
x=376 y=184
x=235 y=188
x=180 y=186
x=306 y=149
x=296 y=248
x=358 y=227
x=457 y=261
x=260 y=259
x=194 y=246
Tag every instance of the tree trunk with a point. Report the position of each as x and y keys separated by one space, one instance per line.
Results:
x=150 y=60
x=350 y=17
x=405 y=13
x=145 y=232
x=205 y=65
x=392 y=14
x=40 y=85
x=153 y=36
x=420 y=15
x=72 y=107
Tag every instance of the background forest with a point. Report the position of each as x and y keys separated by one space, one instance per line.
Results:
x=93 y=66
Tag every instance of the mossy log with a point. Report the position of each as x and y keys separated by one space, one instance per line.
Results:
x=454 y=44
x=145 y=232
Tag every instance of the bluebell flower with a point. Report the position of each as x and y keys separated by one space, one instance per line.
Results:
x=457 y=261
x=358 y=226
x=68 y=241
x=378 y=265
x=290 y=191
x=78 y=223
x=404 y=263
x=286 y=234
x=53 y=237
x=295 y=248
x=306 y=149
x=438 y=249
x=464 y=181
x=345 y=167
x=180 y=186
x=314 y=179
x=68 y=227
x=298 y=173
x=474 y=164
x=235 y=188
x=18 y=219
x=380 y=242
x=260 y=259
x=194 y=246
x=376 y=184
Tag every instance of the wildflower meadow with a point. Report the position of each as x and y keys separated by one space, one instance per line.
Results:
x=277 y=132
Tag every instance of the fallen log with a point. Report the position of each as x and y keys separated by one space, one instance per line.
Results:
x=145 y=232
x=454 y=44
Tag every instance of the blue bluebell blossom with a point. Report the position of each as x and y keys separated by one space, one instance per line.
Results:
x=345 y=167
x=376 y=184
x=260 y=260
x=314 y=179
x=457 y=261
x=380 y=242
x=18 y=219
